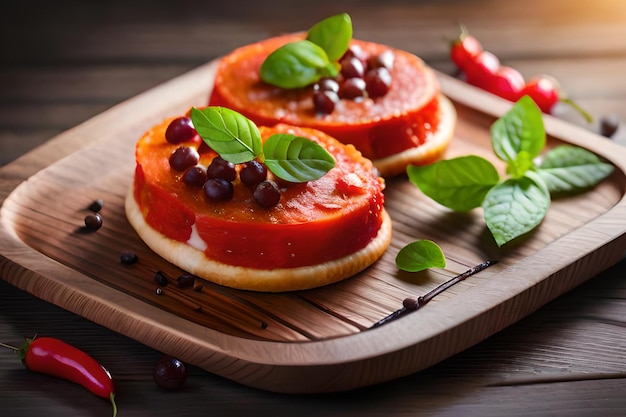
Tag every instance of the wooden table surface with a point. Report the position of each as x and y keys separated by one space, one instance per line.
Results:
x=63 y=62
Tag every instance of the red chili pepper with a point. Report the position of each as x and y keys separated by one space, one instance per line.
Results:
x=464 y=49
x=483 y=70
x=54 y=357
x=544 y=91
x=507 y=83
x=480 y=71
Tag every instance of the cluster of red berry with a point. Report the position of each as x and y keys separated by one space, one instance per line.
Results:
x=483 y=69
x=217 y=179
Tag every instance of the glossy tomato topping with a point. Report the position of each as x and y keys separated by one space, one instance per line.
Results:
x=314 y=222
x=404 y=116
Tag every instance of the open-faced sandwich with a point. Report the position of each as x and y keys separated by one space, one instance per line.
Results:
x=384 y=101
x=259 y=208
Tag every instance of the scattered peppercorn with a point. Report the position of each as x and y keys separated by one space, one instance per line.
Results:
x=160 y=278
x=128 y=258
x=185 y=281
x=411 y=304
x=93 y=221
x=609 y=125
x=96 y=206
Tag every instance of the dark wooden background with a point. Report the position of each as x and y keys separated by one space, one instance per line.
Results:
x=64 y=62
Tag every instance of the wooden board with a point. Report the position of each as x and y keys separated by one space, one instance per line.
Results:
x=309 y=341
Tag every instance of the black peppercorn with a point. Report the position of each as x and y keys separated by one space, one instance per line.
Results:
x=185 y=281
x=96 y=206
x=609 y=125
x=128 y=258
x=160 y=278
x=93 y=221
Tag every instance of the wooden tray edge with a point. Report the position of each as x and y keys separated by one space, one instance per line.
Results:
x=33 y=272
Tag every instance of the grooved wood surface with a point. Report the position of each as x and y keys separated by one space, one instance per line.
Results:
x=566 y=358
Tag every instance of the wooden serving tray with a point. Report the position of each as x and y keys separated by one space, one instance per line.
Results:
x=309 y=341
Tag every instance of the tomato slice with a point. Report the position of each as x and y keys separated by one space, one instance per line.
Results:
x=400 y=120
x=315 y=222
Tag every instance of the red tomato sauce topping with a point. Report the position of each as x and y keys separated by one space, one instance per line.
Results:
x=314 y=222
x=402 y=119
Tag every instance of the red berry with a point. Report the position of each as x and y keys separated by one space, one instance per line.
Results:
x=169 y=373
x=507 y=83
x=195 y=176
x=183 y=157
x=204 y=148
x=180 y=130
x=377 y=82
x=481 y=69
x=354 y=51
x=544 y=91
x=267 y=194
x=252 y=173
x=324 y=102
x=352 y=67
x=352 y=88
x=464 y=49
x=385 y=59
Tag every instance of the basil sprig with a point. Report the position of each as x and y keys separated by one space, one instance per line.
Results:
x=568 y=168
x=293 y=158
x=333 y=35
x=297 y=64
x=460 y=184
x=517 y=204
x=238 y=140
x=301 y=63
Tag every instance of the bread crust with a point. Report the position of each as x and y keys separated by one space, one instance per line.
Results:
x=197 y=263
x=427 y=152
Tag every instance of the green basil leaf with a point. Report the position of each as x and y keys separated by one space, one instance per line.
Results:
x=459 y=183
x=295 y=158
x=520 y=129
x=420 y=255
x=516 y=207
x=297 y=64
x=232 y=135
x=333 y=35
x=522 y=163
x=569 y=169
